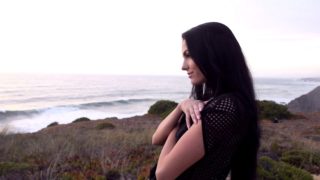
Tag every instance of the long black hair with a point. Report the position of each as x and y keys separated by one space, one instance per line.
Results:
x=218 y=55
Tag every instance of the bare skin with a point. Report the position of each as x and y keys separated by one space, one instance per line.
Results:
x=176 y=157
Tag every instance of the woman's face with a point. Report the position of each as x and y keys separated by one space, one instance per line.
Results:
x=193 y=71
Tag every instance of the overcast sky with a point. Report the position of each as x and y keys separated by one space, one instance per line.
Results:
x=278 y=38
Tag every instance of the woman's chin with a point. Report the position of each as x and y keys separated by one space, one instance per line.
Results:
x=195 y=83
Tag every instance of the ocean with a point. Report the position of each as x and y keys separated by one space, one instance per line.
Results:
x=29 y=102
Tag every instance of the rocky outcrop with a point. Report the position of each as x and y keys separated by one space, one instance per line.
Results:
x=306 y=103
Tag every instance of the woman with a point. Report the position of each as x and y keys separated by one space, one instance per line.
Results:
x=215 y=131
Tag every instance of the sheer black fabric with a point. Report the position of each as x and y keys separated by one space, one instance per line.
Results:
x=223 y=126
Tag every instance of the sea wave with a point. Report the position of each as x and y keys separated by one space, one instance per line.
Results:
x=9 y=114
x=116 y=102
x=315 y=79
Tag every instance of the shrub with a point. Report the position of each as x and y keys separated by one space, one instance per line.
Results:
x=270 y=169
x=295 y=157
x=7 y=167
x=53 y=124
x=105 y=125
x=303 y=159
x=82 y=119
x=162 y=108
x=272 y=110
x=276 y=148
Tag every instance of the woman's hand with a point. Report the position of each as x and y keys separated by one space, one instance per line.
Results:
x=192 y=109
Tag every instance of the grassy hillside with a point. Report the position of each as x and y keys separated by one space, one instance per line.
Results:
x=121 y=149
x=101 y=149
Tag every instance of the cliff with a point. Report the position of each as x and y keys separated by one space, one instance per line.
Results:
x=309 y=102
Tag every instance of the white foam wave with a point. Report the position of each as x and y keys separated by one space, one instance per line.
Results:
x=64 y=115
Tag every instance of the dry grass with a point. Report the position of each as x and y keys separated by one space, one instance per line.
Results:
x=83 y=151
x=292 y=133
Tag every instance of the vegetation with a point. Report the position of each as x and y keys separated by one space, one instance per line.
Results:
x=82 y=119
x=303 y=159
x=6 y=167
x=82 y=151
x=162 y=108
x=92 y=150
x=53 y=124
x=269 y=169
x=272 y=110
x=105 y=125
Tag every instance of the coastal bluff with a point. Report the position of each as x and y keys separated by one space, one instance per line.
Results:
x=113 y=148
x=307 y=103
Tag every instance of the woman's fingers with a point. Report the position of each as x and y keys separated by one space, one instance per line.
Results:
x=193 y=115
x=192 y=110
x=187 y=120
x=201 y=105
x=197 y=109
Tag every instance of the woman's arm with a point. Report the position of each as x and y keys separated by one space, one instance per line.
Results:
x=190 y=107
x=166 y=126
x=176 y=157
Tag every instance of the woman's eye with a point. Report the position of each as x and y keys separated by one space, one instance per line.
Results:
x=186 y=54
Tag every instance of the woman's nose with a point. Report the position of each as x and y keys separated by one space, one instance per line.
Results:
x=184 y=65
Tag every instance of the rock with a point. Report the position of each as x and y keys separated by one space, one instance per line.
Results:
x=307 y=103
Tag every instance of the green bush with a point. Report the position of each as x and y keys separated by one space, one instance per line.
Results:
x=295 y=157
x=7 y=167
x=302 y=159
x=269 y=169
x=276 y=148
x=272 y=110
x=82 y=119
x=53 y=124
x=105 y=125
x=162 y=108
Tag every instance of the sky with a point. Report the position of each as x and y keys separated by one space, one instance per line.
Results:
x=143 y=37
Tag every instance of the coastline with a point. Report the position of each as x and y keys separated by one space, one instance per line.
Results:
x=65 y=98
x=6 y=129
x=115 y=148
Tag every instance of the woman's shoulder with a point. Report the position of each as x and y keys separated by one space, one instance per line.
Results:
x=228 y=102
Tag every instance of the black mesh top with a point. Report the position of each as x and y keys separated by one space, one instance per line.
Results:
x=223 y=129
